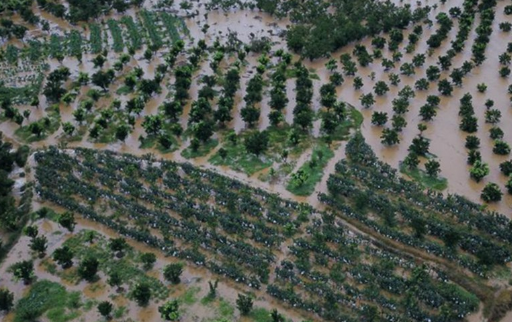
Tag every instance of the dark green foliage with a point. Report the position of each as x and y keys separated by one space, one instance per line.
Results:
x=170 y=311
x=172 y=272
x=39 y=245
x=420 y=146
x=141 y=294
x=508 y=185
x=275 y=316
x=472 y=142
x=496 y=133
x=148 y=260
x=43 y=296
x=103 y=79
x=31 y=231
x=506 y=167
x=55 y=80
x=420 y=227
x=309 y=35
x=23 y=270
x=379 y=118
x=63 y=256
x=501 y=148
x=118 y=244
x=479 y=170
x=473 y=156
x=234 y=209
x=114 y=279
x=6 y=299
x=491 y=193
x=411 y=161
x=256 y=142
x=244 y=304
x=105 y=308
x=390 y=137
x=88 y=268
x=469 y=124
x=432 y=167
x=250 y=115
x=451 y=237
x=67 y=220
x=212 y=293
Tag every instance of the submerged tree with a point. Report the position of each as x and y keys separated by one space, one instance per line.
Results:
x=479 y=170
x=141 y=293
x=432 y=167
x=105 y=309
x=23 y=270
x=6 y=299
x=256 y=142
x=491 y=193
x=172 y=272
x=88 y=268
x=67 y=220
x=63 y=256
x=170 y=311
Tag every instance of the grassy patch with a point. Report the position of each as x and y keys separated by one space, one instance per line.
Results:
x=240 y=160
x=89 y=304
x=292 y=73
x=49 y=267
x=225 y=308
x=59 y=314
x=119 y=312
x=356 y=117
x=47 y=297
x=147 y=142
x=202 y=151
x=282 y=171
x=303 y=182
x=279 y=141
x=422 y=178
x=207 y=300
x=190 y=296
x=107 y=135
x=123 y=90
x=261 y=315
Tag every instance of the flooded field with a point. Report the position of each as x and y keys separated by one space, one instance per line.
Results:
x=144 y=40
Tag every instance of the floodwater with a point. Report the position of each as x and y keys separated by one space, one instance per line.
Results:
x=192 y=278
x=447 y=141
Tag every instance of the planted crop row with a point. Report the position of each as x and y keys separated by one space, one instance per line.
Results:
x=149 y=22
x=117 y=35
x=95 y=38
x=452 y=227
x=75 y=44
x=170 y=22
x=238 y=231
x=331 y=277
x=242 y=219
x=35 y=50
x=56 y=48
x=12 y=54
x=133 y=32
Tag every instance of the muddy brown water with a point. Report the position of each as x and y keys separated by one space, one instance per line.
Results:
x=447 y=141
